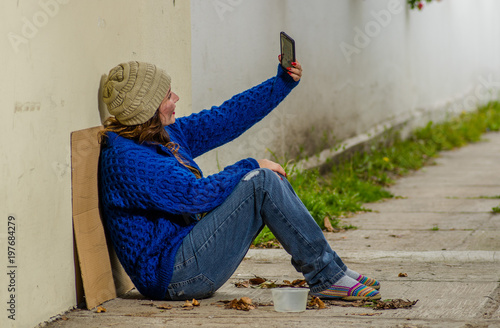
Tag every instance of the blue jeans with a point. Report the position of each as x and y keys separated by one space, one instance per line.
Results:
x=213 y=250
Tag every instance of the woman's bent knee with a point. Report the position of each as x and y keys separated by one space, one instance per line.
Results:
x=262 y=173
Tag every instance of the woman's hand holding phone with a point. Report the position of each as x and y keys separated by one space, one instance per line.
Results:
x=295 y=71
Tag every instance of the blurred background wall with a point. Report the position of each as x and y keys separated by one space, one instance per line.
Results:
x=366 y=64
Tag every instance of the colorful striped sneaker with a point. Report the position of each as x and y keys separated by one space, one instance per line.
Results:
x=355 y=293
x=369 y=282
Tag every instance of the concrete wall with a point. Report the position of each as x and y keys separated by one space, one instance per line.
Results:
x=53 y=53
x=366 y=64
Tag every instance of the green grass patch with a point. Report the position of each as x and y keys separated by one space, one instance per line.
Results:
x=486 y=197
x=496 y=209
x=476 y=197
x=349 y=227
x=362 y=177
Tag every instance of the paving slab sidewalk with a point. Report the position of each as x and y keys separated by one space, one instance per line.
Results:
x=441 y=233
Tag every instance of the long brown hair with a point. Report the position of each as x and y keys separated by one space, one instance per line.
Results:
x=151 y=131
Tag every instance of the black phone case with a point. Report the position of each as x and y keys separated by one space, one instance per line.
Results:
x=288 y=57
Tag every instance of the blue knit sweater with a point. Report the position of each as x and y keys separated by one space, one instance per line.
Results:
x=148 y=198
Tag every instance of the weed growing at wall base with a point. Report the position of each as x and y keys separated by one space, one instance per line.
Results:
x=362 y=177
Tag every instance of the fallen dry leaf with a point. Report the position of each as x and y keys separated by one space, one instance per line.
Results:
x=263 y=304
x=195 y=302
x=403 y=274
x=257 y=304
x=295 y=283
x=243 y=304
x=316 y=303
x=328 y=224
x=187 y=304
x=376 y=305
x=242 y=284
x=367 y=314
x=257 y=280
x=361 y=303
x=164 y=306
x=268 y=284
x=100 y=309
x=299 y=282
x=342 y=303
x=329 y=227
x=394 y=304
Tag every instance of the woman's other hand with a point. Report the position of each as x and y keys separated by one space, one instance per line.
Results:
x=295 y=71
x=267 y=164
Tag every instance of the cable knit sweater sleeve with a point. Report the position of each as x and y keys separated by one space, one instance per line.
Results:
x=212 y=128
x=142 y=178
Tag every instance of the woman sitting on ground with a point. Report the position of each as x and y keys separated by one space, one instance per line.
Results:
x=181 y=235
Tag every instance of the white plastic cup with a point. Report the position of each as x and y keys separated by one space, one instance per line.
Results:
x=290 y=299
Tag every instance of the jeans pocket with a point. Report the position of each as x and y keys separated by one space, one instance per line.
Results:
x=197 y=287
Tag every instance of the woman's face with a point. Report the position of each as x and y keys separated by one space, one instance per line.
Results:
x=167 y=108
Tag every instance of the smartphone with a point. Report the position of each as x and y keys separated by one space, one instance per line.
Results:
x=287 y=50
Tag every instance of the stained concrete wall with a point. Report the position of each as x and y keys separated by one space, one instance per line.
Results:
x=366 y=64
x=53 y=53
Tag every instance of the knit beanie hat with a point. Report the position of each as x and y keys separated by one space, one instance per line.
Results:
x=133 y=91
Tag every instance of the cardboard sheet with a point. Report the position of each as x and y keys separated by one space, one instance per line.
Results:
x=102 y=275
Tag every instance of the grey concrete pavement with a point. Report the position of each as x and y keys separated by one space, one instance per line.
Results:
x=441 y=233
